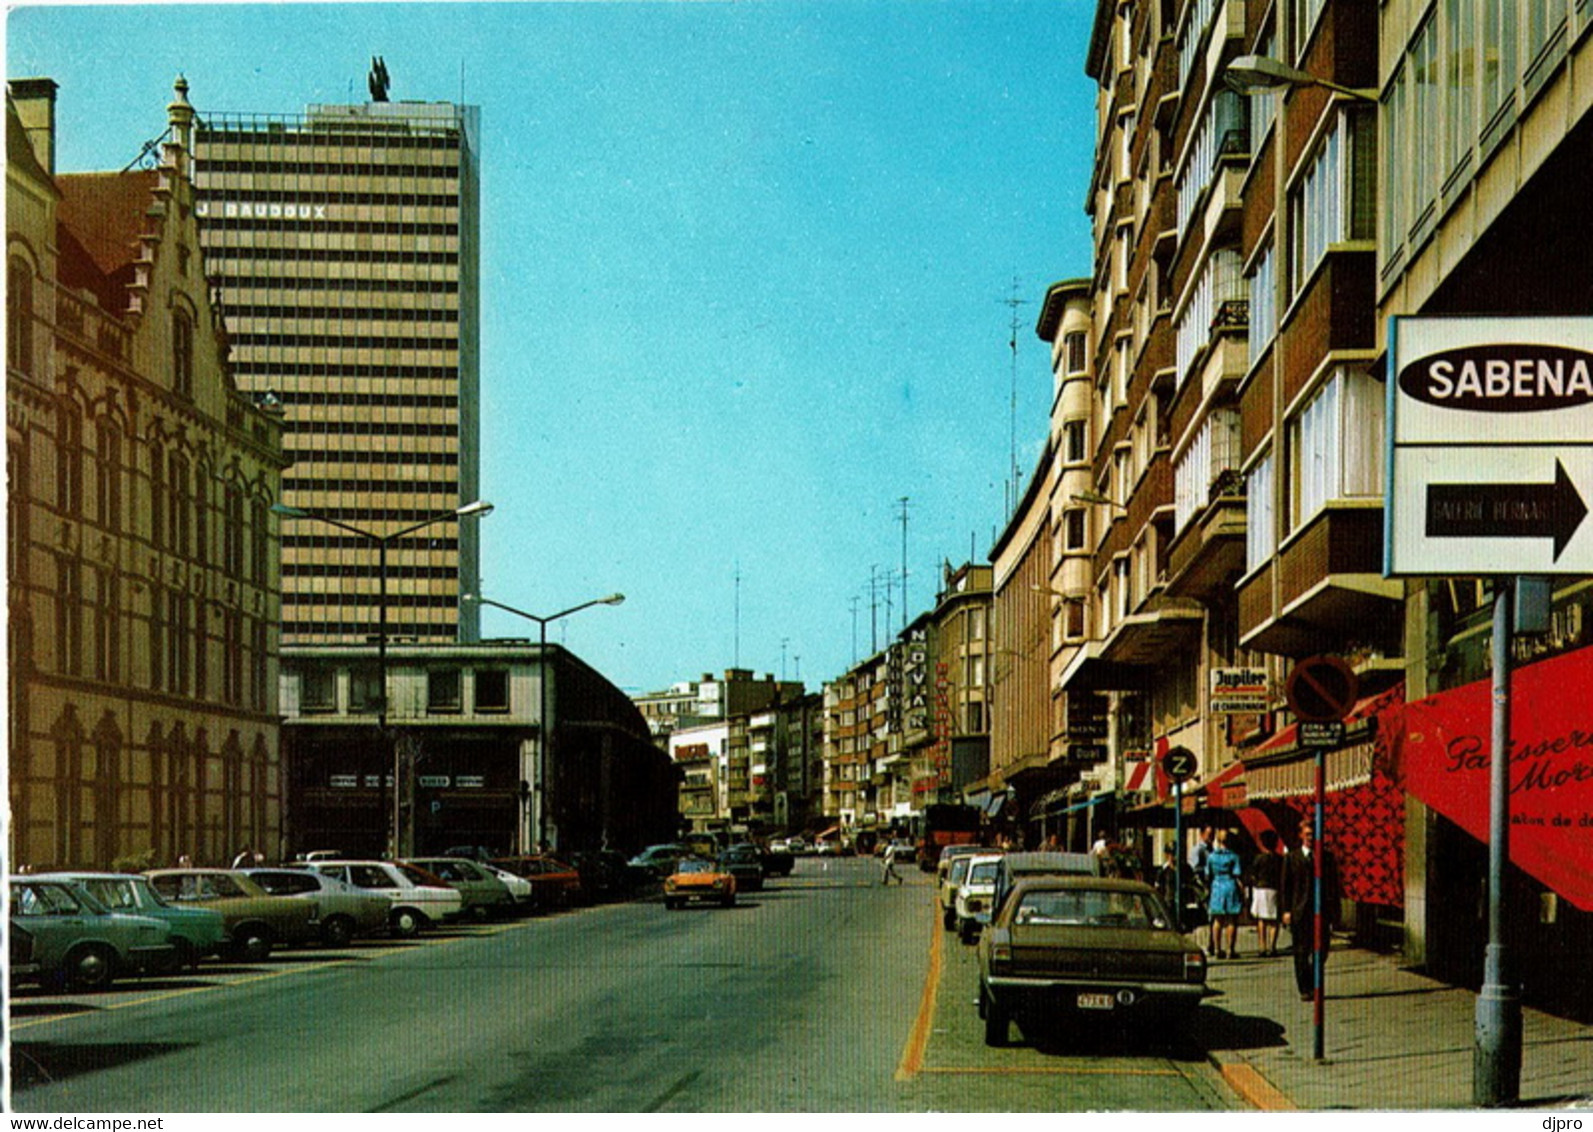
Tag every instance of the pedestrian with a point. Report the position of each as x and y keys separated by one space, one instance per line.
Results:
x=1200 y=851
x=1296 y=899
x=1225 y=897
x=1265 y=877
x=890 y=866
x=1184 y=890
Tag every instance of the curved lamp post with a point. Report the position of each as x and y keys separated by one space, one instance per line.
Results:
x=1249 y=74
x=477 y=508
x=546 y=732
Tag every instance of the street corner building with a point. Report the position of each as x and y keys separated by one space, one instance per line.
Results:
x=143 y=574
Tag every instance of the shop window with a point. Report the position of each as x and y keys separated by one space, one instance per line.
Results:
x=442 y=691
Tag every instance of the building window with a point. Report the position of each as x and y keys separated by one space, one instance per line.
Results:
x=975 y=714
x=69 y=458
x=492 y=689
x=259 y=664
x=1335 y=201
x=442 y=690
x=1074 y=529
x=1336 y=446
x=259 y=542
x=182 y=353
x=1075 y=440
x=108 y=477
x=364 y=689
x=69 y=616
x=1074 y=348
x=232 y=532
x=19 y=315
x=1201 y=468
x=1303 y=18
x=1263 y=304
x=1260 y=537
x=178 y=487
x=317 y=691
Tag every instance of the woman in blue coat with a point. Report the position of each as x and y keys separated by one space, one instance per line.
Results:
x=1223 y=872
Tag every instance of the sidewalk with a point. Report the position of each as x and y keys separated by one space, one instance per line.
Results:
x=1393 y=1039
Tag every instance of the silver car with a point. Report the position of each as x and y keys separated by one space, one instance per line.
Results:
x=341 y=910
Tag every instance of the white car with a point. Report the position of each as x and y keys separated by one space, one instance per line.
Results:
x=418 y=900
x=521 y=889
x=976 y=894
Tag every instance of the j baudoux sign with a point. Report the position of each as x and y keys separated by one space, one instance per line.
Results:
x=1490 y=462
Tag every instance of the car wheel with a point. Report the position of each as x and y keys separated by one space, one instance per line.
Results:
x=997 y=1021
x=91 y=968
x=672 y=905
x=183 y=957
x=968 y=931
x=405 y=923
x=338 y=931
x=251 y=943
x=948 y=920
x=729 y=900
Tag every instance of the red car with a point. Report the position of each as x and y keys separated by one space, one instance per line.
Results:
x=554 y=883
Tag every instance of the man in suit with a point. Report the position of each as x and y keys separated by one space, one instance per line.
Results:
x=1296 y=901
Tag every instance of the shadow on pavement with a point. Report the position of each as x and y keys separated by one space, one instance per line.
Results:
x=1092 y=1038
x=40 y=1063
x=1216 y=1028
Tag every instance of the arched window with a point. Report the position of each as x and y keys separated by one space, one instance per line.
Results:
x=177 y=488
x=68 y=456
x=158 y=503
x=19 y=314
x=108 y=476
x=106 y=790
x=182 y=353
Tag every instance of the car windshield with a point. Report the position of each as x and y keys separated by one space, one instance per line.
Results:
x=983 y=873
x=696 y=866
x=959 y=869
x=415 y=876
x=1093 y=908
x=117 y=895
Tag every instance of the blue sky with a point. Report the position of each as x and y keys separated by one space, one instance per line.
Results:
x=745 y=280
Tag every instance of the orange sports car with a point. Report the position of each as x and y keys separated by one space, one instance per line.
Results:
x=696 y=878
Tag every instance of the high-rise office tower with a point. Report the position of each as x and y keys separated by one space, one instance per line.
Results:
x=344 y=243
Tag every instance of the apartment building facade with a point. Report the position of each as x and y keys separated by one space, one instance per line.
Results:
x=345 y=242
x=142 y=563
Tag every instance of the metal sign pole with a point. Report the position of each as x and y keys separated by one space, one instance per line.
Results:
x=1318 y=926
x=1496 y=1062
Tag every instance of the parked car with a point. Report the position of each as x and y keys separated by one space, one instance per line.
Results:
x=477 y=853
x=1042 y=863
x=22 y=967
x=256 y=920
x=524 y=893
x=975 y=895
x=79 y=944
x=657 y=861
x=557 y=883
x=950 y=874
x=827 y=848
x=797 y=846
x=697 y=878
x=341 y=911
x=418 y=899
x=605 y=874
x=484 y=895
x=195 y=932
x=780 y=845
x=777 y=862
x=1085 y=945
x=745 y=863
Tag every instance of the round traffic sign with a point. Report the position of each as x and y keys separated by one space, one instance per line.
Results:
x=1321 y=689
x=1179 y=763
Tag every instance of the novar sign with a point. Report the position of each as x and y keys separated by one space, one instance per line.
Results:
x=1490 y=459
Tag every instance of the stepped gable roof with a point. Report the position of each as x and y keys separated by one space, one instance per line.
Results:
x=101 y=219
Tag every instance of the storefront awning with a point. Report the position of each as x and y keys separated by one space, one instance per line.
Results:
x=1440 y=752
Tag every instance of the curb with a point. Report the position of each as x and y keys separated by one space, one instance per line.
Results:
x=1246 y=1080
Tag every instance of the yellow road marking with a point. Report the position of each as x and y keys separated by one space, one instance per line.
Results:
x=918 y=1038
x=1062 y=1070
x=1256 y=1089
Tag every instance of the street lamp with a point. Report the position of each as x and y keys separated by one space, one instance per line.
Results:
x=477 y=508
x=1096 y=497
x=1251 y=74
x=546 y=732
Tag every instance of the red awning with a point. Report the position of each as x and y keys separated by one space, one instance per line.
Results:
x=1440 y=748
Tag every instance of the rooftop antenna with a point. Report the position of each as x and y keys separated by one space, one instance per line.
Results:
x=1014 y=302
x=903 y=503
x=738 y=617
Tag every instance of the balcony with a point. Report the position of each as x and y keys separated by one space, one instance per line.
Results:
x=1210 y=551
x=1324 y=588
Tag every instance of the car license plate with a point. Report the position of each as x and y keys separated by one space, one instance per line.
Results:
x=1095 y=1002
